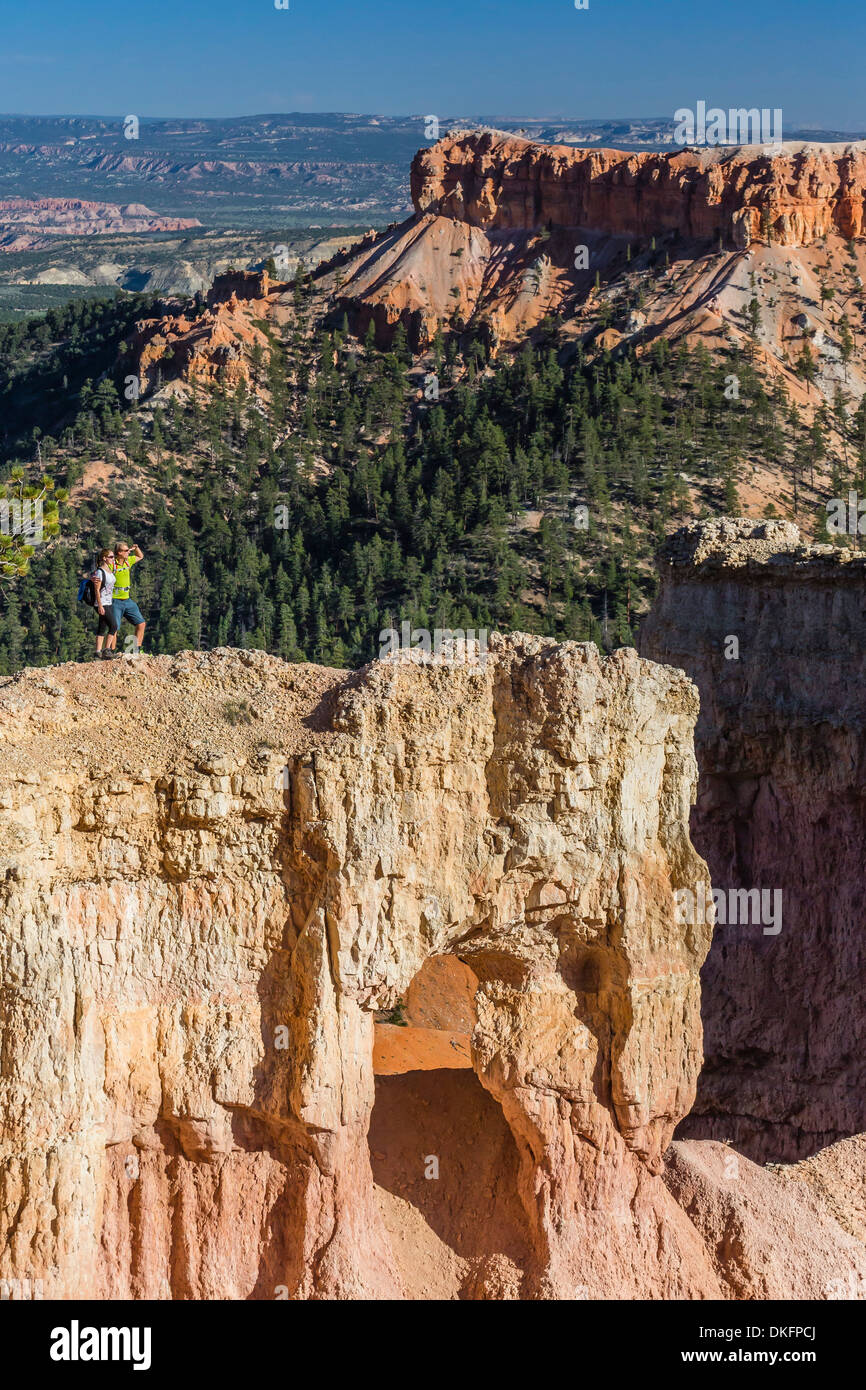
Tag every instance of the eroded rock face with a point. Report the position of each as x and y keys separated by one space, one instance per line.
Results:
x=212 y=343
x=508 y=234
x=197 y=941
x=791 y=196
x=780 y=744
x=167 y=928
x=541 y=845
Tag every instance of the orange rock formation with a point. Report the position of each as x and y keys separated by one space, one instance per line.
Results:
x=507 y=232
x=212 y=345
x=195 y=945
x=791 y=197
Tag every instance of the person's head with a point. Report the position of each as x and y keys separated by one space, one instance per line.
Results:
x=106 y=557
x=121 y=552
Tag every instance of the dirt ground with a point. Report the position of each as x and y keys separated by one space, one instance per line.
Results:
x=153 y=713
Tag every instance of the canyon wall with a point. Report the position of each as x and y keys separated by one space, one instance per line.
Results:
x=773 y=632
x=219 y=870
x=792 y=196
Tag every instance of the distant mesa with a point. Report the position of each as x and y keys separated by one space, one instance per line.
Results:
x=27 y=224
x=623 y=247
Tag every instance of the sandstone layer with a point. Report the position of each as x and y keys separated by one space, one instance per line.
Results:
x=773 y=632
x=202 y=924
x=162 y=924
x=510 y=235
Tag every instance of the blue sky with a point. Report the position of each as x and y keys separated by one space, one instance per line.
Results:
x=478 y=58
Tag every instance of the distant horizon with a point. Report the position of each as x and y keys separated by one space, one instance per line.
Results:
x=559 y=118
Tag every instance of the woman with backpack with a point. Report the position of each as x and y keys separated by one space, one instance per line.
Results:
x=103 y=579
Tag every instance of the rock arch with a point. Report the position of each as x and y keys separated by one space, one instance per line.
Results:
x=528 y=814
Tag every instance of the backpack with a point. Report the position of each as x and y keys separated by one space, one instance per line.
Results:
x=87 y=592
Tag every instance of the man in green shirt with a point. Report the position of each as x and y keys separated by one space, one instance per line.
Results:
x=123 y=605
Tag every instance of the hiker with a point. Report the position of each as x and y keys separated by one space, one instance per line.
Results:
x=103 y=579
x=124 y=607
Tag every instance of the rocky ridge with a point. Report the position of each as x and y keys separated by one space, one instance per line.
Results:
x=209 y=342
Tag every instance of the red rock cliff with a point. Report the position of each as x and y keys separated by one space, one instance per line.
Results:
x=796 y=196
